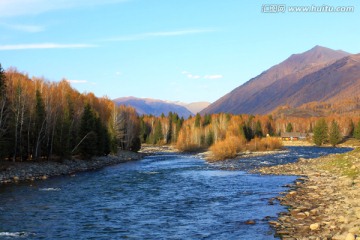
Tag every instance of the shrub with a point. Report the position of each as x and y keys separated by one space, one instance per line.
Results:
x=227 y=148
x=188 y=147
x=264 y=144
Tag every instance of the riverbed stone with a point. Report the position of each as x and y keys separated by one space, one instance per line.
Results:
x=354 y=230
x=325 y=199
x=350 y=236
x=343 y=219
x=301 y=215
x=314 y=226
x=250 y=222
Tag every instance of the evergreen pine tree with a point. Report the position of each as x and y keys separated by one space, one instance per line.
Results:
x=169 y=131
x=209 y=138
x=39 y=128
x=197 y=120
x=269 y=128
x=143 y=131
x=2 y=82
x=207 y=120
x=334 y=134
x=351 y=129
x=289 y=127
x=4 y=142
x=258 y=131
x=357 y=131
x=135 y=144
x=158 y=135
x=320 y=132
x=248 y=132
x=87 y=135
x=101 y=136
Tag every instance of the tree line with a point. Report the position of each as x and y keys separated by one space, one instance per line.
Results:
x=42 y=120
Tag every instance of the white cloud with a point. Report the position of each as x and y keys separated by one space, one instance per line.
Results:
x=80 y=82
x=43 y=46
x=192 y=76
x=10 y=8
x=148 y=35
x=23 y=27
x=215 y=76
x=77 y=81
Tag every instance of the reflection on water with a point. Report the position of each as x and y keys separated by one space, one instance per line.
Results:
x=170 y=196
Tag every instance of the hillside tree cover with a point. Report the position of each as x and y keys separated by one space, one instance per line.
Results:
x=42 y=120
x=50 y=120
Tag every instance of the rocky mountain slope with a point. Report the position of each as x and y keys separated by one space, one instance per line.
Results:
x=319 y=74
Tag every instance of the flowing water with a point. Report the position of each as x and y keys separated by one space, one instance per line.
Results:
x=165 y=196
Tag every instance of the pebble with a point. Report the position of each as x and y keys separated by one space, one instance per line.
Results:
x=350 y=236
x=314 y=226
x=250 y=222
x=324 y=204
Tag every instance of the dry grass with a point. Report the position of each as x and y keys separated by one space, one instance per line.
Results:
x=264 y=144
x=346 y=164
x=188 y=147
x=232 y=146
x=227 y=148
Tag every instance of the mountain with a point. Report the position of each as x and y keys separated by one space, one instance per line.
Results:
x=153 y=106
x=194 y=107
x=278 y=85
x=197 y=107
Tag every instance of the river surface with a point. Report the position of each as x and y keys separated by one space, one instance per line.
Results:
x=165 y=196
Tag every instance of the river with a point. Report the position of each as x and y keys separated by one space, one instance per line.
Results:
x=164 y=196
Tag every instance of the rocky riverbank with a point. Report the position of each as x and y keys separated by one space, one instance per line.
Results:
x=30 y=171
x=208 y=156
x=324 y=202
x=149 y=149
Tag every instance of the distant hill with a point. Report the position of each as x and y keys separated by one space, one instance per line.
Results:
x=153 y=106
x=319 y=74
x=194 y=107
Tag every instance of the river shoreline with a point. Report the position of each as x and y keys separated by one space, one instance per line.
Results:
x=324 y=202
x=13 y=172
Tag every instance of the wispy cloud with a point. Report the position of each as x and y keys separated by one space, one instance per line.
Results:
x=23 y=27
x=215 y=76
x=43 y=46
x=10 y=8
x=192 y=76
x=74 y=81
x=147 y=35
x=77 y=81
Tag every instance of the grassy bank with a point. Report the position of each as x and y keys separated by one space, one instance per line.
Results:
x=325 y=204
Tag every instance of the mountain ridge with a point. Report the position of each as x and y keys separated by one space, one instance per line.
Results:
x=157 y=107
x=265 y=92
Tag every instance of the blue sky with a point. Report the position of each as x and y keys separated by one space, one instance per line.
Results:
x=179 y=50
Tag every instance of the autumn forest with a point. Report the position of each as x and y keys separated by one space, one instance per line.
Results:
x=43 y=120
